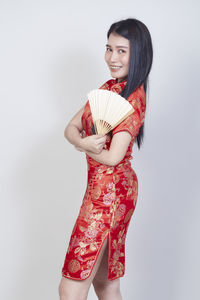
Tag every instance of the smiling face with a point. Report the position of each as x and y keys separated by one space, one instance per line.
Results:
x=117 y=56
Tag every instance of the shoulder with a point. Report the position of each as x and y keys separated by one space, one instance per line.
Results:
x=138 y=97
x=108 y=84
x=138 y=100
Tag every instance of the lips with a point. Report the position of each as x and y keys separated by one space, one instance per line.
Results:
x=115 y=67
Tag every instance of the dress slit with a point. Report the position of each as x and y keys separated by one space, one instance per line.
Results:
x=95 y=260
x=99 y=250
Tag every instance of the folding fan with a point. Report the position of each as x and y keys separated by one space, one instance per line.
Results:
x=108 y=109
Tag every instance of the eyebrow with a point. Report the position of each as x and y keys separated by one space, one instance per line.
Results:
x=117 y=46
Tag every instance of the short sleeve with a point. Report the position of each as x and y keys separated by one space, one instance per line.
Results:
x=134 y=121
x=131 y=124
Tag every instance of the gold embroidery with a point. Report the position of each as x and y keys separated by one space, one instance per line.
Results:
x=108 y=203
x=96 y=192
x=73 y=265
x=85 y=274
x=128 y=215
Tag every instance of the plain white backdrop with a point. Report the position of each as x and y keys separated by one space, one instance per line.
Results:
x=51 y=56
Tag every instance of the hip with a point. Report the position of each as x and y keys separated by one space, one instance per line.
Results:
x=120 y=180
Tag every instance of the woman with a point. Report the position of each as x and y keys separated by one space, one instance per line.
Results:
x=96 y=251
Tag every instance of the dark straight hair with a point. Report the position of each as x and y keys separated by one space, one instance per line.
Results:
x=141 y=57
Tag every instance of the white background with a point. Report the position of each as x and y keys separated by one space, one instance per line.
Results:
x=51 y=55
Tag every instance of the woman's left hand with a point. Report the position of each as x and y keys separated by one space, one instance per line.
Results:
x=83 y=134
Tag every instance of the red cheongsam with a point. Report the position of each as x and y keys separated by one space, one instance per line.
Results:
x=109 y=201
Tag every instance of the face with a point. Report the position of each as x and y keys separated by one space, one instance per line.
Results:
x=117 y=56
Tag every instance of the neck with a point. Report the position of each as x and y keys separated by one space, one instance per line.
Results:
x=120 y=79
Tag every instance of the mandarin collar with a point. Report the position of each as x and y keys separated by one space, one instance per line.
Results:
x=123 y=81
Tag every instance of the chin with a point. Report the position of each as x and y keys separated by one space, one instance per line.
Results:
x=116 y=76
x=121 y=78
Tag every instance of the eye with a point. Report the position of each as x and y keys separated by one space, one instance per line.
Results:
x=123 y=51
x=108 y=49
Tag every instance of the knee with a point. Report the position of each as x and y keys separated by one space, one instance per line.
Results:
x=67 y=292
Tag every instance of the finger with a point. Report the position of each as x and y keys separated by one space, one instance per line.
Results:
x=99 y=136
x=102 y=140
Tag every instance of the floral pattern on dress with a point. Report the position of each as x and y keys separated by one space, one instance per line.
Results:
x=109 y=200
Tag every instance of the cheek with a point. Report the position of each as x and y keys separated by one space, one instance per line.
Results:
x=106 y=57
x=126 y=61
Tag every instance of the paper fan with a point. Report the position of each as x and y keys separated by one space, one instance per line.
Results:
x=108 y=109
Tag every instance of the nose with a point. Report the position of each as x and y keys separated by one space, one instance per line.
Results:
x=114 y=57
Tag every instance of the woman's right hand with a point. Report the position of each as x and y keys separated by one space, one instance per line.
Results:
x=93 y=143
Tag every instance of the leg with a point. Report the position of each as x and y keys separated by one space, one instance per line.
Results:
x=104 y=288
x=70 y=289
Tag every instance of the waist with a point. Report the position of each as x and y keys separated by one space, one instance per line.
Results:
x=96 y=167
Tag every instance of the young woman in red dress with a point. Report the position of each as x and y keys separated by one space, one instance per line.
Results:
x=96 y=251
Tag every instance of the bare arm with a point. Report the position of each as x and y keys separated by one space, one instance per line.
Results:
x=93 y=143
x=117 y=151
x=73 y=129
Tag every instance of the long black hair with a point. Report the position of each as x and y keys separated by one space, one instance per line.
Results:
x=141 y=57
